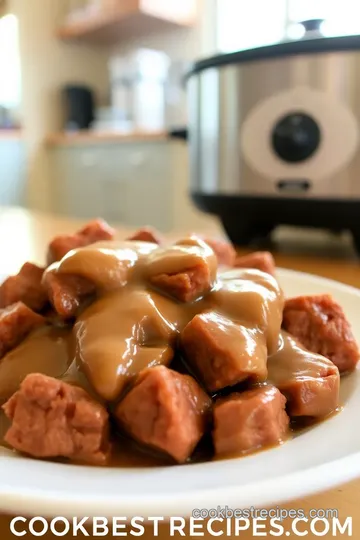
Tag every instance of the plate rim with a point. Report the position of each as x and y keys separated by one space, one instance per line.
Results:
x=259 y=495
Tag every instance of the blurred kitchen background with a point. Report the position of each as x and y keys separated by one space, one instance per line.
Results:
x=91 y=90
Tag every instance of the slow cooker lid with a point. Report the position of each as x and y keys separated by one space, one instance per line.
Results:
x=279 y=50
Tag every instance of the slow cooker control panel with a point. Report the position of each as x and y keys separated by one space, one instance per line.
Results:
x=300 y=136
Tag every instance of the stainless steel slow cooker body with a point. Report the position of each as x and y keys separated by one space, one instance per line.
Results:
x=278 y=124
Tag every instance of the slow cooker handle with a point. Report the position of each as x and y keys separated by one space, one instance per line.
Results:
x=182 y=134
x=312 y=25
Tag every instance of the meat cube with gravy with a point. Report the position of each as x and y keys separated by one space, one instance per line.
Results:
x=108 y=265
x=309 y=381
x=262 y=260
x=250 y=420
x=151 y=330
x=94 y=231
x=222 y=352
x=166 y=411
x=184 y=272
x=67 y=292
x=121 y=334
x=147 y=234
x=320 y=324
x=45 y=350
x=223 y=250
x=24 y=287
x=50 y=418
x=252 y=298
x=186 y=286
x=16 y=322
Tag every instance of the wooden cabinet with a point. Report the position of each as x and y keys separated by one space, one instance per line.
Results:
x=143 y=183
x=115 y=20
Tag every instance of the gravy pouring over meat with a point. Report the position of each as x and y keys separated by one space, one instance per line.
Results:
x=91 y=348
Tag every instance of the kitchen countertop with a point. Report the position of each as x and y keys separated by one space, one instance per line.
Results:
x=63 y=138
x=23 y=236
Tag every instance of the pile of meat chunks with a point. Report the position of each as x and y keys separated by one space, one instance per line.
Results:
x=165 y=410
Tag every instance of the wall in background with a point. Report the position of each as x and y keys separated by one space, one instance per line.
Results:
x=243 y=24
x=10 y=87
x=46 y=65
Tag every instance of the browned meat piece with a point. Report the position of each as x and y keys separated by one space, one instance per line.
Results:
x=61 y=245
x=250 y=420
x=309 y=381
x=165 y=410
x=224 y=353
x=262 y=260
x=147 y=234
x=97 y=230
x=16 y=322
x=319 y=323
x=187 y=285
x=313 y=397
x=94 y=231
x=185 y=271
x=53 y=419
x=67 y=292
x=24 y=287
x=224 y=251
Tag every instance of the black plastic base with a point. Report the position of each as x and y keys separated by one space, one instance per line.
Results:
x=246 y=219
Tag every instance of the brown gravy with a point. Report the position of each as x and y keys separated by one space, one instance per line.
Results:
x=292 y=361
x=133 y=327
x=48 y=350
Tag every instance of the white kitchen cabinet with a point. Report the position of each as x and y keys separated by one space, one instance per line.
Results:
x=12 y=172
x=134 y=183
x=82 y=186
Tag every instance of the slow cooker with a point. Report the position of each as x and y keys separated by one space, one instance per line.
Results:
x=274 y=137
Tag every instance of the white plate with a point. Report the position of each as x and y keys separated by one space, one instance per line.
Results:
x=326 y=455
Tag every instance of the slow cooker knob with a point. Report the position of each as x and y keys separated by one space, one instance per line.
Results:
x=295 y=137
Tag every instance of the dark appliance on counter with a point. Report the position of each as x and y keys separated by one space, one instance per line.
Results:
x=274 y=137
x=79 y=104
